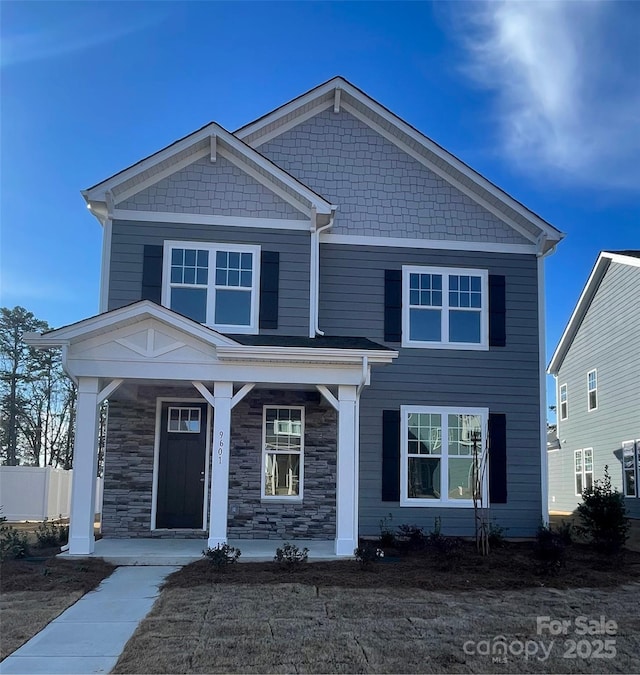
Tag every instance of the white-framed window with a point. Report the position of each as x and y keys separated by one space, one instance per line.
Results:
x=282 y=453
x=592 y=390
x=214 y=284
x=630 y=467
x=445 y=308
x=442 y=452
x=563 y=401
x=583 y=466
x=183 y=420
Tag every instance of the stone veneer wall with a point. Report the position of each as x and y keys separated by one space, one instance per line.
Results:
x=314 y=517
x=128 y=479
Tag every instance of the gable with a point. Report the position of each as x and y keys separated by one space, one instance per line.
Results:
x=381 y=190
x=212 y=188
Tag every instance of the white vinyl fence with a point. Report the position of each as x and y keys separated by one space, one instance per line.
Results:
x=38 y=493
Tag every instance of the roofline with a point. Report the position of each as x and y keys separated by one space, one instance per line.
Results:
x=584 y=302
x=553 y=234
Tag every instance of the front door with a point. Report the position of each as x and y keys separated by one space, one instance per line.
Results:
x=181 y=465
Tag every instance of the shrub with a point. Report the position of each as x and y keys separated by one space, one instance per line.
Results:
x=290 y=556
x=435 y=541
x=52 y=534
x=222 y=556
x=13 y=544
x=549 y=548
x=603 y=516
x=497 y=536
x=387 y=535
x=566 y=532
x=367 y=554
x=414 y=537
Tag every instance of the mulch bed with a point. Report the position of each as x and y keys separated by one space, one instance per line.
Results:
x=43 y=571
x=513 y=566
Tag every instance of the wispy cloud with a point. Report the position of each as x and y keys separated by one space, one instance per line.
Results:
x=566 y=76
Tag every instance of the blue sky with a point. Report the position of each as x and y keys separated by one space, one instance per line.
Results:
x=541 y=98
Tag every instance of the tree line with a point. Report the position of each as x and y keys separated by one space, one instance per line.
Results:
x=37 y=398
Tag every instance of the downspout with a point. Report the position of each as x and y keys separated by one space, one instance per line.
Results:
x=544 y=466
x=315 y=254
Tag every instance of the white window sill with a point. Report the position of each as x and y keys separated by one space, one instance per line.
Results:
x=281 y=500
x=441 y=345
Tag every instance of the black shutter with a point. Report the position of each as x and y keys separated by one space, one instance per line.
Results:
x=497 y=311
x=390 y=455
x=269 y=285
x=497 y=458
x=393 y=305
x=152 y=273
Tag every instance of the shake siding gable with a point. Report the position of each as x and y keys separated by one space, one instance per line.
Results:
x=607 y=340
x=381 y=190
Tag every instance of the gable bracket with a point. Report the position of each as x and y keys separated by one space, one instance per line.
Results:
x=336 y=100
x=212 y=147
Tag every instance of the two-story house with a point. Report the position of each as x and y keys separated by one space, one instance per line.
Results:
x=597 y=370
x=306 y=325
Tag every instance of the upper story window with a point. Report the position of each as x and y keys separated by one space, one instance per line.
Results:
x=592 y=390
x=564 y=402
x=444 y=308
x=214 y=284
x=441 y=457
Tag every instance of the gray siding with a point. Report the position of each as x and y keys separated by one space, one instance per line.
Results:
x=127 y=247
x=212 y=188
x=608 y=340
x=380 y=190
x=506 y=379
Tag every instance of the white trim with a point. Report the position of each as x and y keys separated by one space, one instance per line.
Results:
x=212 y=147
x=544 y=464
x=444 y=412
x=562 y=418
x=105 y=268
x=310 y=355
x=222 y=221
x=439 y=171
x=336 y=100
x=595 y=390
x=240 y=394
x=108 y=390
x=445 y=273
x=282 y=498
x=584 y=302
x=205 y=393
x=293 y=122
x=330 y=398
x=156 y=457
x=211 y=286
x=436 y=244
x=221 y=446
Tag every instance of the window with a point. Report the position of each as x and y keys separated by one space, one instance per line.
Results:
x=444 y=308
x=629 y=468
x=583 y=463
x=564 y=402
x=184 y=420
x=592 y=390
x=282 y=453
x=442 y=453
x=214 y=284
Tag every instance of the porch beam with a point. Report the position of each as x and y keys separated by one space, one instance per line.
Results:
x=85 y=468
x=206 y=394
x=239 y=395
x=331 y=399
x=347 y=472
x=108 y=390
x=219 y=503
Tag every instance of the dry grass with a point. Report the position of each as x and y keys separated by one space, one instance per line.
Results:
x=303 y=628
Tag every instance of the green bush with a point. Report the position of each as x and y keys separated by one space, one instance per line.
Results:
x=550 y=549
x=13 y=544
x=387 y=535
x=290 y=556
x=413 y=537
x=603 y=516
x=497 y=535
x=52 y=533
x=222 y=556
x=367 y=554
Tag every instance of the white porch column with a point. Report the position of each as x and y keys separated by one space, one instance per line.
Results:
x=222 y=394
x=85 y=468
x=347 y=473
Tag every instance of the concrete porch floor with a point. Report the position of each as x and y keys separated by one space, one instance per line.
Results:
x=184 y=551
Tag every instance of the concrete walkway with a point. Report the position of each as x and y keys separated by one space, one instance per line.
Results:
x=90 y=635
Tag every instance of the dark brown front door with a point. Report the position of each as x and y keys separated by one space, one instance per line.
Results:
x=181 y=465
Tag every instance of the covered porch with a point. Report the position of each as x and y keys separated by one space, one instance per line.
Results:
x=145 y=345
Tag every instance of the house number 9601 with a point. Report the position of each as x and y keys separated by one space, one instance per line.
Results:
x=221 y=447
